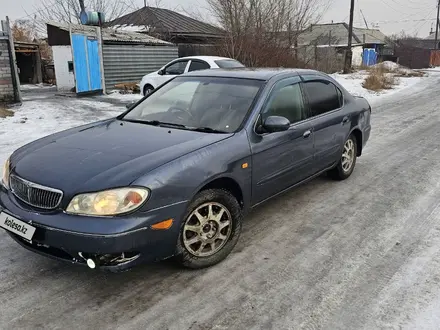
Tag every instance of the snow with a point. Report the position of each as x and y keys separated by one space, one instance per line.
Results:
x=131 y=28
x=388 y=65
x=41 y=115
x=353 y=83
x=124 y=97
x=27 y=87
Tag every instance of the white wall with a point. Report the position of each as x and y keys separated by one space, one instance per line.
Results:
x=357 y=56
x=61 y=57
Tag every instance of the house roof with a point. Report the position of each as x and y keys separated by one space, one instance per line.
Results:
x=372 y=36
x=326 y=34
x=336 y=34
x=161 y=20
x=111 y=35
x=432 y=36
x=417 y=42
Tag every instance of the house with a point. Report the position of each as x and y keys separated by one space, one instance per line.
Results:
x=329 y=42
x=170 y=26
x=88 y=59
x=418 y=53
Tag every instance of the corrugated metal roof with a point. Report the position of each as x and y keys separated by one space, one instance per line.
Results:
x=326 y=34
x=166 y=21
x=111 y=35
x=336 y=34
x=372 y=36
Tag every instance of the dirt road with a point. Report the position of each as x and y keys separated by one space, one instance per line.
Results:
x=359 y=254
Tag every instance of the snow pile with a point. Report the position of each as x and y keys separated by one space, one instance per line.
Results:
x=353 y=83
x=388 y=65
x=397 y=69
x=124 y=97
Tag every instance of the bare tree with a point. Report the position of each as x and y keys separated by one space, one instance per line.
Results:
x=68 y=11
x=265 y=32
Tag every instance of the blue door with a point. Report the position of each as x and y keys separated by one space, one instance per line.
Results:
x=369 y=57
x=87 y=63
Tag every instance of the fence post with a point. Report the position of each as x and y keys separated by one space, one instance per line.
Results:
x=101 y=57
x=14 y=71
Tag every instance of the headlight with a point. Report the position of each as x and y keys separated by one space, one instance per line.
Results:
x=108 y=202
x=5 y=174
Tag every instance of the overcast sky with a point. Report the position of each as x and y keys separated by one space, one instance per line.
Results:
x=392 y=16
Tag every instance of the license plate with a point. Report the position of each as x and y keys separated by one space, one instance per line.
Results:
x=16 y=226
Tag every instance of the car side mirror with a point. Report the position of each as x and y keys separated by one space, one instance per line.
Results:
x=130 y=105
x=161 y=72
x=274 y=124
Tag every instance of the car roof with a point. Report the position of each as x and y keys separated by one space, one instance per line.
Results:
x=204 y=58
x=249 y=73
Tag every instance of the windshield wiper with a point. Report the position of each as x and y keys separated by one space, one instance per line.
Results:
x=207 y=130
x=156 y=123
x=173 y=125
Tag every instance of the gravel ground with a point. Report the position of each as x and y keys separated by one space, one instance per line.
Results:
x=359 y=254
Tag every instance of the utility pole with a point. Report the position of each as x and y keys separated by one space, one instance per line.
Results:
x=349 y=52
x=81 y=5
x=436 y=25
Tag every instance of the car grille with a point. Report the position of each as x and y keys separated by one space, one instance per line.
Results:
x=34 y=194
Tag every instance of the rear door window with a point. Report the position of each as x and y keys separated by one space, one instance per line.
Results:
x=176 y=68
x=323 y=97
x=197 y=65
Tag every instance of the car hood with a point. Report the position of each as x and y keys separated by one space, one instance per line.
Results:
x=104 y=155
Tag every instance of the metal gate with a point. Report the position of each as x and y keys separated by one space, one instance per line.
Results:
x=125 y=63
x=86 y=63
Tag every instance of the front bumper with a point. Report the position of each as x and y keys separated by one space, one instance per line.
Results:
x=114 y=244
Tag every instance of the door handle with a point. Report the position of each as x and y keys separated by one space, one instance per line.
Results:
x=307 y=134
x=345 y=120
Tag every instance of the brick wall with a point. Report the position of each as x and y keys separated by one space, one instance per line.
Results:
x=6 y=84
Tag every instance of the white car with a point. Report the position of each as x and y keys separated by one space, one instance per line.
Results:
x=182 y=65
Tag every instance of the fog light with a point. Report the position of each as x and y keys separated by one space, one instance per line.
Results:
x=91 y=263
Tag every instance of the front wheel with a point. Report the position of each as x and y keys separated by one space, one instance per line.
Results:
x=347 y=162
x=210 y=229
x=148 y=89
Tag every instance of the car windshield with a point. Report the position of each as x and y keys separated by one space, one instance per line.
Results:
x=228 y=64
x=211 y=104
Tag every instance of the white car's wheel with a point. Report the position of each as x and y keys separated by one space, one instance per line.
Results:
x=148 y=89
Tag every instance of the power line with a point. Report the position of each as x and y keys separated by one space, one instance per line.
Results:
x=388 y=5
x=399 y=4
x=406 y=20
x=422 y=23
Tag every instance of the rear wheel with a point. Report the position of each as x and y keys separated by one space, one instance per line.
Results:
x=347 y=162
x=210 y=229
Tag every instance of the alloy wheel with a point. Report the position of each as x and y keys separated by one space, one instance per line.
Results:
x=207 y=229
x=348 y=155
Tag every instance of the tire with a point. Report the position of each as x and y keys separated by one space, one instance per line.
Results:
x=341 y=171
x=148 y=89
x=209 y=233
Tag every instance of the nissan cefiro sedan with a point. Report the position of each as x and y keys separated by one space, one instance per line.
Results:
x=175 y=174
